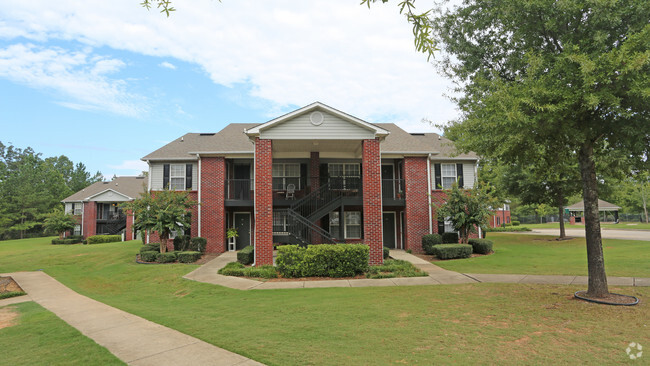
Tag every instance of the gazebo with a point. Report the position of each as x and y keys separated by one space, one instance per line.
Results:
x=576 y=211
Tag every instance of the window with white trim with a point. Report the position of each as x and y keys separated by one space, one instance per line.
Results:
x=449 y=226
x=285 y=174
x=177 y=177
x=77 y=208
x=348 y=173
x=77 y=230
x=448 y=175
x=352 y=229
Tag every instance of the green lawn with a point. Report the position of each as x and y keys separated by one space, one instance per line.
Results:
x=41 y=338
x=538 y=254
x=619 y=226
x=506 y=324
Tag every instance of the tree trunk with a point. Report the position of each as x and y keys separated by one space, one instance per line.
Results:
x=562 y=231
x=644 y=198
x=595 y=261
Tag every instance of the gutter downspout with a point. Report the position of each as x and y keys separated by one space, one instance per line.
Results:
x=199 y=194
x=429 y=192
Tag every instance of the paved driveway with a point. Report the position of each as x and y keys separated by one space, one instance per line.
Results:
x=606 y=233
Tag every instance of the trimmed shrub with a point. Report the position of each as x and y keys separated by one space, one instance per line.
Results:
x=181 y=243
x=57 y=241
x=450 y=238
x=66 y=241
x=453 y=251
x=429 y=240
x=188 y=257
x=246 y=255
x=339 y=260
x=197 y=244
x=481 y=246
x=6 y=295
x=166 y=257
x=506 y=229
x=79 y=238
x=151 y=247
x=97 y=239
x=508 y=224
x=386 y=253
x=515 y=223
x=149 y=256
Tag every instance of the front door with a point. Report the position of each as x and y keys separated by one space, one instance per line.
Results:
x=243 y=226
x=389 y=229
x=387 y=182
x=242 y=182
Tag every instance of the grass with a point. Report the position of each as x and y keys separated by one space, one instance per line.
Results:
x=395 y=268
x=6 y=295
x=239 y=270
x=619 y=226
x=538 y=254
x=506 y=324
x=40 y=337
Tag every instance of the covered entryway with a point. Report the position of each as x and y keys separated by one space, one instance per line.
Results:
x=243 y=225
x=390 y=233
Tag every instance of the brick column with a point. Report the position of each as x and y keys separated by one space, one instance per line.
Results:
x=213 y=210
x=89 y=219
x=372 y=220
x=128 y=232
x=263 y=202
x=417 y=202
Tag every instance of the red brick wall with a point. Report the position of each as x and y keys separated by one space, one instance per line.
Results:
x=372 y=210
x=89 y=219
x=263 y=202
x=417 y=202
x=213 y=211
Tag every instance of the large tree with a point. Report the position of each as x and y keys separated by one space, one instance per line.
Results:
x=574 y=76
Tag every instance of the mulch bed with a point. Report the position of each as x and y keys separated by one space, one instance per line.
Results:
x=609 y=299
x=7 y=284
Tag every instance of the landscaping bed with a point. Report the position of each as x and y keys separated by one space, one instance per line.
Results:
x=9 y=288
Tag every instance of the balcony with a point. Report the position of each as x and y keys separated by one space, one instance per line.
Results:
x=392 y=192
x=239 y=190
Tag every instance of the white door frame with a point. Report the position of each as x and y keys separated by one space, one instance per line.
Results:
x=250 y=219
x=394 y=224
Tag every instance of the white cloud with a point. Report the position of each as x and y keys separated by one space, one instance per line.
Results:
x=134 y=165
x=291 y=53
x=76 y=75
x=167 y=65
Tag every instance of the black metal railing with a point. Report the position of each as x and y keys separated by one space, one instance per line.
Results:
x=239 y=189
x=288 y=222
x=392 y=189
x=326 y=196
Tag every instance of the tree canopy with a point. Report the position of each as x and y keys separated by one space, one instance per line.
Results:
x=543 y=77
x=467 y=209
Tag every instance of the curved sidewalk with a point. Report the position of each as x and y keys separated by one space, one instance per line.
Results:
x=437 y=276
x=131 y=338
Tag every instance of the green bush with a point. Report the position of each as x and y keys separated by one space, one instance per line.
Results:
x=246 y=255
x=450 y=238
x=452 y=251
x=66 y=241
x=515 y=223
x=151 y=247
x=197 y=244
x=181 y=243
x=188 y=257
x=149 y=256
x=429 y=240
x=238 y=269
x=97 y=239
x=386 y=253
x=506 y=229
x=481 y=246
x=6 y=295
x=340 y=260
x=79 y=238
x=166 y=257
x=508 y=224
x=57 y=241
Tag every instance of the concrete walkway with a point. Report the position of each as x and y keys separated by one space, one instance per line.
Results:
x=130 y=338
x=643 y=235
x=437 y=276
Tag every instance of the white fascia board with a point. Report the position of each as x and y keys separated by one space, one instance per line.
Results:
x=106 y=190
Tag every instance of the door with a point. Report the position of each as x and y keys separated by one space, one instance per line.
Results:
x=388 y=225
x=387 y=182
x=242 y=182
x=243 y=226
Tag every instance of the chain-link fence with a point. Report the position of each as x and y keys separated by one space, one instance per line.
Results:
x=534 y=219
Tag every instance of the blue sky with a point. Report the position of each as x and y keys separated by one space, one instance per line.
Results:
x=105 y=83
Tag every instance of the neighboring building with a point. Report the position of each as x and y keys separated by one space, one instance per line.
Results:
x=576 y=212
x=96 y=207
x=315 y=175
x=500 y=216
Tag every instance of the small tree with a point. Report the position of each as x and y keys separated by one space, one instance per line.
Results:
x=162 y=212
x=467 y=209
x=59 y=222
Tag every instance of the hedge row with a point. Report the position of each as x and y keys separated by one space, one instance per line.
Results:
x=246 y=255
x=151 y=247
x=452 y=251
x=238 y=269
x=429 y=240
x=168 y=257
x=450 y=238
x=481 y=246
x=339 y=260
x=507 y=229
x=66 y=241
x=97 y=239
x=188 y=257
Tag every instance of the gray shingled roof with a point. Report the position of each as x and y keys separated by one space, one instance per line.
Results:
x=129 y=186
x=233 y=139
x=602 y=206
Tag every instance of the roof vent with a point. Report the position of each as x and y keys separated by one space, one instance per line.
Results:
x=417 y=134
x=182 y=138
x=206 y=134
x=105 y=182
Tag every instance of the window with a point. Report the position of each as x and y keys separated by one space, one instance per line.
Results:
x=448 y=175
x=77 y=208
x=345 y=175
x=77 y=230
x=285 y=174
x=352 y=229
x=449 y=226
x=279 y=222
x=177 y=177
